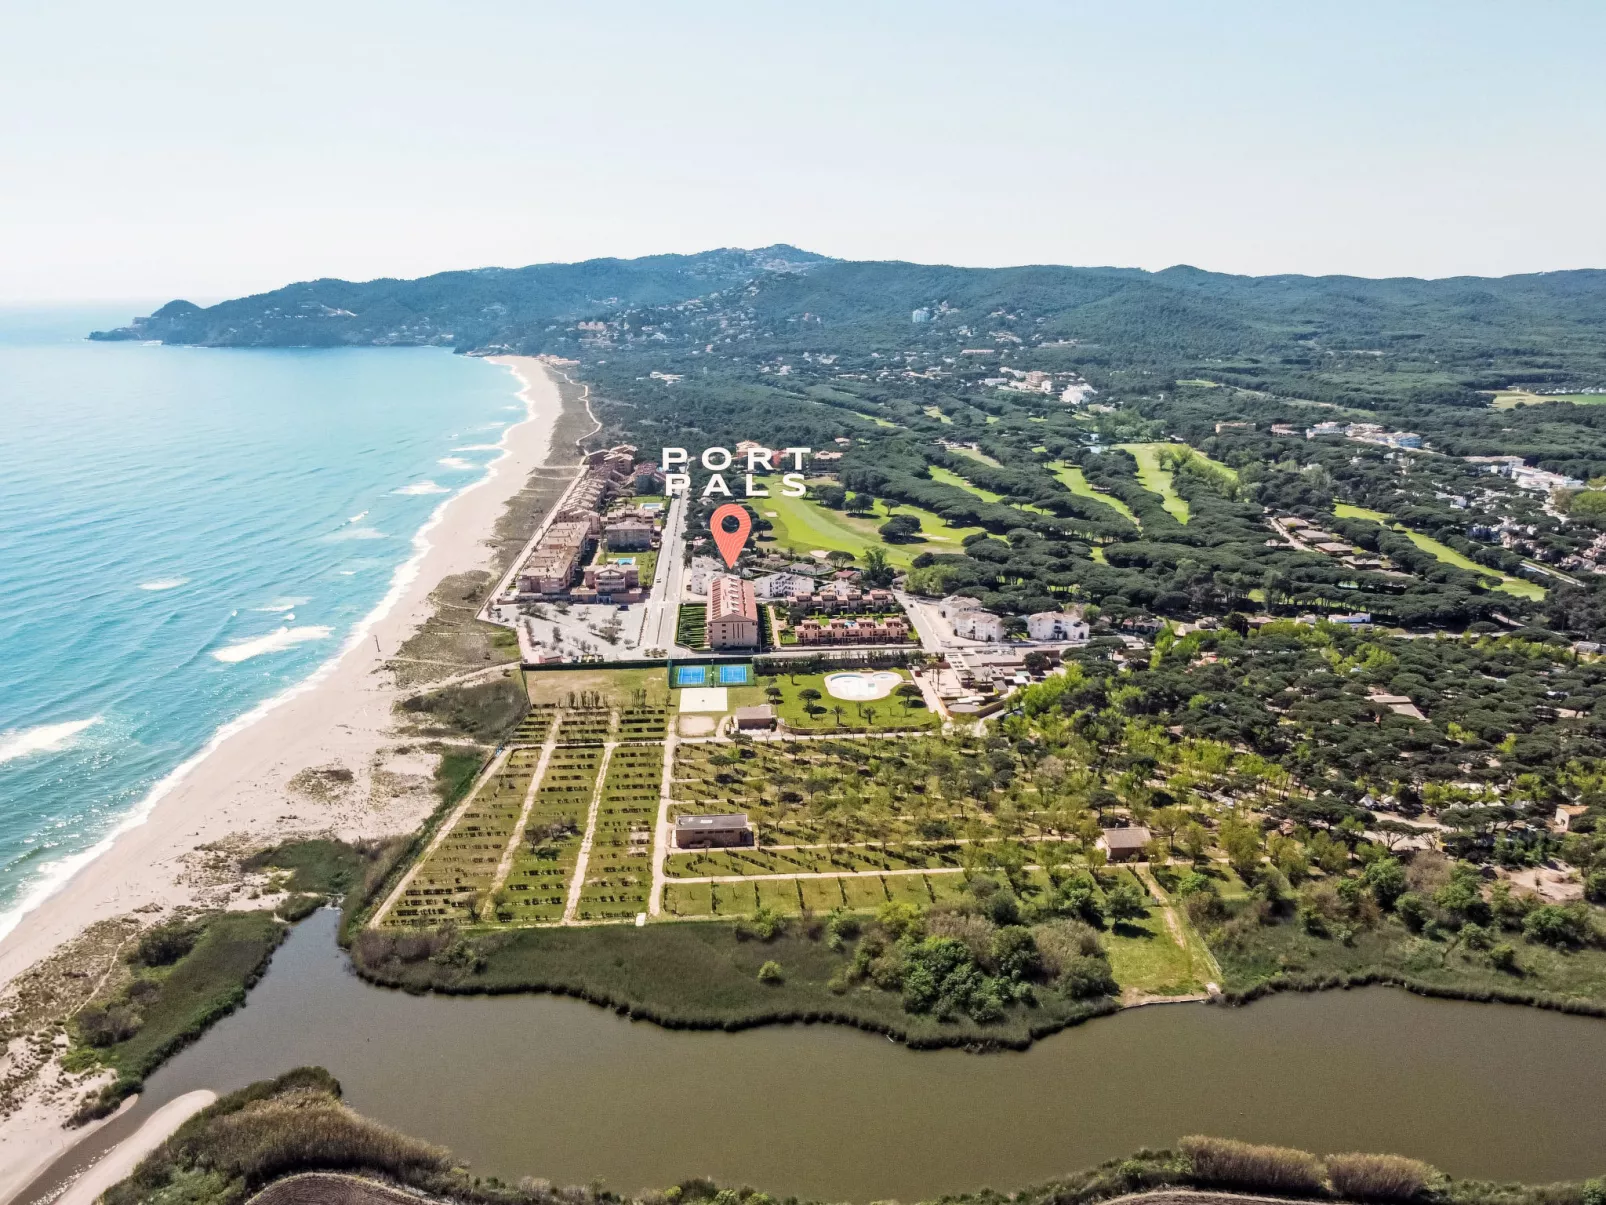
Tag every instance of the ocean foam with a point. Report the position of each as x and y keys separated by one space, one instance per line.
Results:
x=479 y=448
x=280 y=605
x=358 y=518
x=164 y=583
x=55 y=875
x=455 y=462
x=273 y=642
x=356 y=533
x=46 y=738
x=421 y=487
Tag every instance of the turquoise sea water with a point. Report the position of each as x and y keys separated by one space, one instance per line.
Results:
x=185 y=533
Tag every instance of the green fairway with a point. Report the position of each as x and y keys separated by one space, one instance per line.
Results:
x=1344 y=510
x=933 y=412
x=802 y=525
x=1520 y=587
x=1072 y=478
x=978 y=455
x=1156 y=479
x=949 y=477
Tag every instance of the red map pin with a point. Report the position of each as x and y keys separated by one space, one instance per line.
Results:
x=731 y=543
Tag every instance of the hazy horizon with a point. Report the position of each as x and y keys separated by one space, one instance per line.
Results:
x=204 y=153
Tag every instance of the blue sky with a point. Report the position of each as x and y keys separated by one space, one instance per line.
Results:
x=207 y=150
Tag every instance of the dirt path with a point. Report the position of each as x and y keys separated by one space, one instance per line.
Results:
x=661 y=835
x=583 y=861
x=1181 y=932
x=505 y=866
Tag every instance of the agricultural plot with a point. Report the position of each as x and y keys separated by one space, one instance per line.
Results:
x=456 y=878
x=619 y=871
x=537 y=885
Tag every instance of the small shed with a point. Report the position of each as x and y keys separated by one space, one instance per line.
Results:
x=708 y=832
x=758 y=718
x=1126 y=844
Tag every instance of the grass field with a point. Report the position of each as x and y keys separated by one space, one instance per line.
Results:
x=1145 y=959
x=933 y=412
x=802 y=525
x=977 y=455
x=887 y=713
x=1520 y=587
x=1073 y=479
x=1510 y=399
x=1157 y=480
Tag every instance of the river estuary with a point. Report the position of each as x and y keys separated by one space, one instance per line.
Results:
x=553 y=1087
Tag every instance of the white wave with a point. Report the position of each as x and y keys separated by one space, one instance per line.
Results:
x=421 y=487
x=358 y=518
x=273 y=642
x=280 y=605
x=356 y=533
x=494 y=426
x=455 y=462
x=164 y=583
x=479 y=448
x=53 y=876
x=46 y=738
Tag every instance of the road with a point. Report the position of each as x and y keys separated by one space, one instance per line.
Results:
x=663 y=604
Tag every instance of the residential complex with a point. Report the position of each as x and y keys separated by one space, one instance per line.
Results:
x=732 y=614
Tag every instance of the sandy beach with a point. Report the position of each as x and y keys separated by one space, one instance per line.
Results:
x=239 y=790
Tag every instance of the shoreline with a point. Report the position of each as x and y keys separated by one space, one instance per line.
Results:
x=175 y=848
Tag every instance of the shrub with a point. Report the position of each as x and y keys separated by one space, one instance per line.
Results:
x=770 y=972
x=1595 y=887
x=1503 y=958
x=1378 y=1177
x=1229 y=1163
x=1413 y=911
x=1087 y=976
x=165 y=944
x=108 y=1024
x=1556 y=925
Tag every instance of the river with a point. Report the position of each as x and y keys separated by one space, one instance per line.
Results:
x=553 y=1087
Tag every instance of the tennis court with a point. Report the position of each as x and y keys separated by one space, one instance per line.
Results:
x=713 y=675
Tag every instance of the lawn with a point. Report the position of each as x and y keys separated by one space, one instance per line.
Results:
x=933 y=412
x=978 y=455
x=645 y=561
x=802 y=525
x=888 y=714
x=1157 y=480
x=1072 y=478
x=1145 y=959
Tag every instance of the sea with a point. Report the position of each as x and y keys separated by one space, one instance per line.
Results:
x=185 y=535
